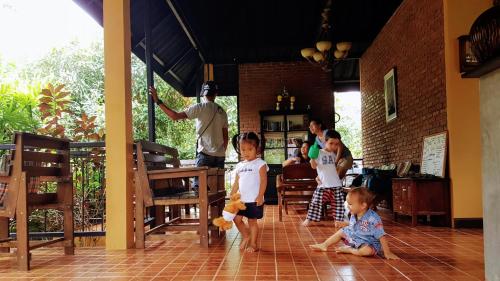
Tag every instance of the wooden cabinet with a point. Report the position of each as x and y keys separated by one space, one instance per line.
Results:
x=419 y=196
x=279 y=129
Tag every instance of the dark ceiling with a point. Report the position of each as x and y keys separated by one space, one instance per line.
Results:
x=229 y=32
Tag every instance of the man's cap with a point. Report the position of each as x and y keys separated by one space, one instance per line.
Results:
x=209 y=88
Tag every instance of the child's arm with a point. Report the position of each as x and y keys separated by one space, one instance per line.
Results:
x=263 y=184
x=289 y=161
x=340 y=224
x=314 y=164
x=387 y=251
x=340 y=150
x=235 y=186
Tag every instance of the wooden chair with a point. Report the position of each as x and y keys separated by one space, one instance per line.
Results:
x=295 y=186
x=160 y=182
x=36 y=160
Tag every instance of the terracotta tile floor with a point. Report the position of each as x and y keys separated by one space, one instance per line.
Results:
x=428 y=253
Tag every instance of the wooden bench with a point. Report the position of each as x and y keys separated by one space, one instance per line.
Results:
x=295 y=186
x=160 y=181
x=36 y=161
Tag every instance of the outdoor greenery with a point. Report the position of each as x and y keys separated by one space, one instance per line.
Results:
x=80 y=74
x=62 y=95
x=349 y=125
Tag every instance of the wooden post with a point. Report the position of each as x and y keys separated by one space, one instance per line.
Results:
x=23 y=259
x=203 y=209
x=119 y=143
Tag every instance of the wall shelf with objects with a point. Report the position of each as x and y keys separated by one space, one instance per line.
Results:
x=280 y=130
x=484 y=68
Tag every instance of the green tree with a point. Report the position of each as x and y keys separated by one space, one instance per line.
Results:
x=349 y=125
x=81 y=70
x=17 y=105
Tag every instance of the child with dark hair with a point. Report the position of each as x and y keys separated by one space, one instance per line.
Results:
x=343 y=158
x=364 y=235
x=329 y=187
x=250 y=182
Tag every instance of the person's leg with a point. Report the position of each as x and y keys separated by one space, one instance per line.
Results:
x=364 y=251
x=339 y=204
x=329 y=199
x=335 y=238
x=244 y=231
x=254 y=233
x=219 y=162
x=201 y=160
x=315 y=207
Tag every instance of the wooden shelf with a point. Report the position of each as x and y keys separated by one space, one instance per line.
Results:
x=483 y=69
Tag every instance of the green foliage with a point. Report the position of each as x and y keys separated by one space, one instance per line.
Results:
x=349 y=126
x=17 y=110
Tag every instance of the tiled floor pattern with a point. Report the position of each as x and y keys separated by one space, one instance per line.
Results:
x=427 y=253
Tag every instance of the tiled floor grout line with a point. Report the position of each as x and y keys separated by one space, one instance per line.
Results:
x=172 y=262
x=296 y=227
x=429 y=253
x=225 y=256
x=435 y=237
x=432 y=256
x=290 y=248
x=274 y=247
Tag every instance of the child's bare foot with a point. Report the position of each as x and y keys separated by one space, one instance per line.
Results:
x=319 y=247
x=306 y=222
x=344 y=250
x=252 y=249
x=243 y=243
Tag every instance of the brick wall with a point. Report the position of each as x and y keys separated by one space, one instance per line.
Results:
x=259 y=84
x=413 y=42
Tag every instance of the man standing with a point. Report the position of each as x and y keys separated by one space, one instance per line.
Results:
x=211 y=125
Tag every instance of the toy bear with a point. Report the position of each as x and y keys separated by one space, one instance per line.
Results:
x=229 y=213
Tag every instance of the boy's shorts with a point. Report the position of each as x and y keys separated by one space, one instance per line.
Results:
x=253 y=211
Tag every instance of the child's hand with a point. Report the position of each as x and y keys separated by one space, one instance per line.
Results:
x=318 y=180
x=340 y=224
x=259 y=200
x=391 y=256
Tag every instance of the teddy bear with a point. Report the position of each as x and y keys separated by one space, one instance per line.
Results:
x=229 y=213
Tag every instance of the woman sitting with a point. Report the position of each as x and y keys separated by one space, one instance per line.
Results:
x=301 y=156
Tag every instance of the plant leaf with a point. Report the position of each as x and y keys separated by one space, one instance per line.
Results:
x=46 y=99
x=58 y=88
x=62 y=95
x=46 y=92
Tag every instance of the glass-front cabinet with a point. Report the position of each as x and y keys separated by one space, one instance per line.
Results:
x=281 y=131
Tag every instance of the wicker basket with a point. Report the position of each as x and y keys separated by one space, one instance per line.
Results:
x=485 y=35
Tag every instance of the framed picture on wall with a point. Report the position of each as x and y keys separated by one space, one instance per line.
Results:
x=390 y=95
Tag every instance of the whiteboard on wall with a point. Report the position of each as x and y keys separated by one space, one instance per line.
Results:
x=434 y=154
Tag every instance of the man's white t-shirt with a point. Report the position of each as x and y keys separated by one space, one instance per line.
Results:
x=249 y=178
x=212 y=141
x=326 y=169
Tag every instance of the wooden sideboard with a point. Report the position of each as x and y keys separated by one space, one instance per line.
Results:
x=421 y=196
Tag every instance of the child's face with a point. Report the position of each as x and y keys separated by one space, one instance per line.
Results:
x=332 y=144
x=248 y=150
x=314 y=128
x=355 y=206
